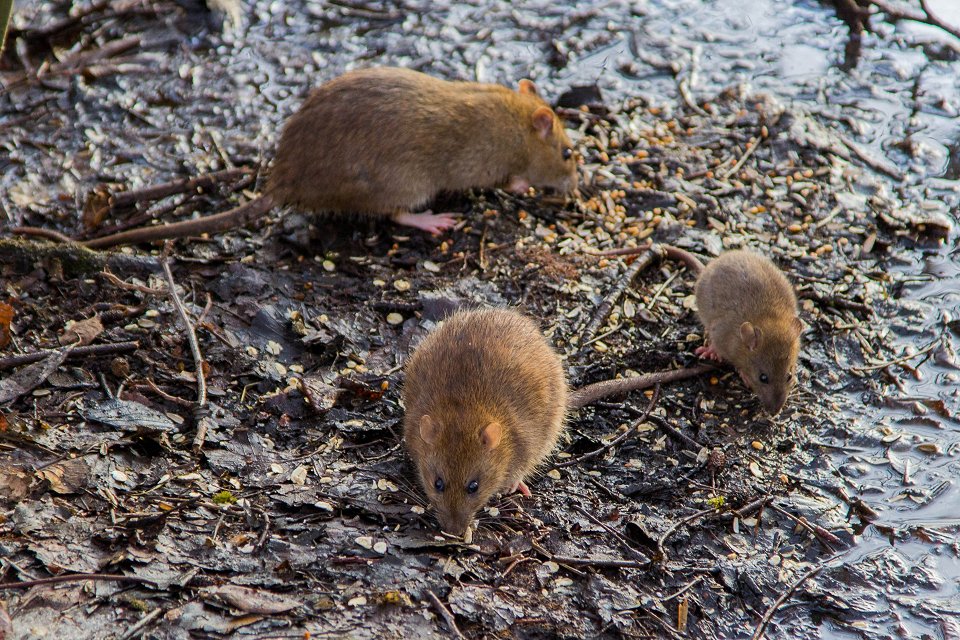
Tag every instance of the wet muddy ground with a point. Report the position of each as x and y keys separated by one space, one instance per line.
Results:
x=297 y=511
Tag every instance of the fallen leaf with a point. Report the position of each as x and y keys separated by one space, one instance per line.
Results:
x=81 y=333
x=68 y=476
x=30 y=377
x=128 y=415
x=14 y=486
x=252 y=600
x=319 y=393
x=6 y=317
x=6 y=624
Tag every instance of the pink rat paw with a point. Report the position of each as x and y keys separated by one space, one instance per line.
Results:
x=522 y=488
x=430 y=222
x=709 y=353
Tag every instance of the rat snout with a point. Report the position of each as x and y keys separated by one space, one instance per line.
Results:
x=454 y=521
x=774 y=402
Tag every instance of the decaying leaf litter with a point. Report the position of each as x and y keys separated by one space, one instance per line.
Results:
x=296 y=512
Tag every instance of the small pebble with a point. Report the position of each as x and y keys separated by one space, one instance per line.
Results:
x=394 y=318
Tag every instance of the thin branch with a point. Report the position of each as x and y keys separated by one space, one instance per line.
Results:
x=623 y=436
x=927 y=17
x=762 y=627
x=156 y=192
x=76 y=577
x=77 y=352
x=445 y=614
x=603 y=311
x=191 y=333
x=676 y=525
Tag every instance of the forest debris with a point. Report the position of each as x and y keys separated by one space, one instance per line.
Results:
x=128 y=415
x=81 y=332
x=251 y=600
x=32 y=376
x=66 y=477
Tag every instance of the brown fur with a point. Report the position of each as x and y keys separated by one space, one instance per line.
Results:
x=386 y=139
x=481 y=368
x=749 y=312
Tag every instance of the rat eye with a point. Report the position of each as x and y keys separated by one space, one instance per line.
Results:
x=473 y=486
x=764 y=378
x=567 y=153
x=438 y=484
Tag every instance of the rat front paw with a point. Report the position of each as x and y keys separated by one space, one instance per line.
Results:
x=522 y=488
x=709 y=353
x=430 y=222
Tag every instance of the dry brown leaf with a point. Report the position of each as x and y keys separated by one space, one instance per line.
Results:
x=28 y=378
x=6 y=317
x=81 y=333
x=68 y=476
x=253 y=600
x=14 y=485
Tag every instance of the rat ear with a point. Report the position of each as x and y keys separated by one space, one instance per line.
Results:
x=543 y=121
x=491 y=435
x=526 y=87
x=750 y=335
x=429 y=430
x=797 y=326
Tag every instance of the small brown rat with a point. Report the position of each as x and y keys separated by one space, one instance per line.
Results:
x=749 y=313
x=485 y=399
x=385 y=141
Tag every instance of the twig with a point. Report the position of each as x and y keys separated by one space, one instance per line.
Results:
x=128 y=286
x=262 y=540
x=753 y=143
x=676 y=525
x=40 y=232
x=75 y=258
x=623 y=436
x=928 y=17
x=684 y=88
x=634 y=552
x=445 y=614
x=601 y=562
x=128 y=198
x=874 y=163
x=683 y=590
x=825 y=537
x=603 y=311
x=144 y=621
x=883 y=365
x=77 y=352
x=676 y=433
x=163 y=394
x=762 y=627
x=191 y=334
x=75 y=577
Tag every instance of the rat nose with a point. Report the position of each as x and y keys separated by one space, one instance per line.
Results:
x=454 y=522
x=775 y=404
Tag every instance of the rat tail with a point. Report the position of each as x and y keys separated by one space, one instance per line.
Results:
x=236 y=217
x=680 y=255
x=593 y=392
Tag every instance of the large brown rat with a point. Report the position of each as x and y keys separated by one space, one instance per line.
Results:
x=485 y=399
x=385 y=141
x=749 y=313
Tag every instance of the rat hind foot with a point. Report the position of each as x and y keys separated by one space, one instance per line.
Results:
x=709 y=353
x=522 y=488
x=427 y=221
